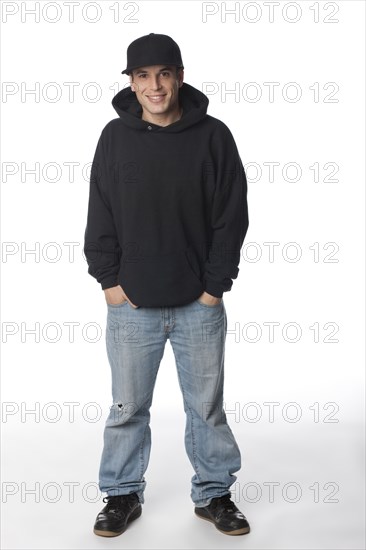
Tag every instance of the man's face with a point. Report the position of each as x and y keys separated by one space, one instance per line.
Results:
x=156 y=88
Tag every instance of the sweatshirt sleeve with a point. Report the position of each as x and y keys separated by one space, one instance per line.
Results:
x=229 y=216
x=101 y=247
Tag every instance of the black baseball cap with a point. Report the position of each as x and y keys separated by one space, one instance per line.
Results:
x=153 y=49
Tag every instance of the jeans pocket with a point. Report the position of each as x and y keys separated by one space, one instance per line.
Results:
x=118 y=305
x=209 y=307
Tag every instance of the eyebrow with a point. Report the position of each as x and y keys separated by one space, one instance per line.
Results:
x=141 y=71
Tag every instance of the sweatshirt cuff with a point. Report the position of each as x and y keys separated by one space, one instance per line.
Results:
x=110 y=282
x=214 y=289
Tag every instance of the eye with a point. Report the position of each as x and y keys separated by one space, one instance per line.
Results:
x=166 y=73
x=142 y=75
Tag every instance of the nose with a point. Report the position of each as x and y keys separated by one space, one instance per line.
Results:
x=155 y=82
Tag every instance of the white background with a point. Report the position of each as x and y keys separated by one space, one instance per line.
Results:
x=49 y=451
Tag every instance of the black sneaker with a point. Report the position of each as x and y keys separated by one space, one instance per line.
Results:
x=115 y=516
x=225 y=515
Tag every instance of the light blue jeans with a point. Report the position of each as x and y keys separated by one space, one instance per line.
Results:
x=135 y=340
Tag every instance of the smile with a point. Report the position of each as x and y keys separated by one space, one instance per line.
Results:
x=156 y=98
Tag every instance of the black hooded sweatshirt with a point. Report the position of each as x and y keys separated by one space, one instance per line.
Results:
x=167 y=212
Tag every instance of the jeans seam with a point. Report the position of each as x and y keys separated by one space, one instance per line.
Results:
x=142 y=464
x=141 y=453
x=192 y=429
x=194 y=444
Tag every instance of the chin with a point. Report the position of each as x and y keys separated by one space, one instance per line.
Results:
x=158 y=111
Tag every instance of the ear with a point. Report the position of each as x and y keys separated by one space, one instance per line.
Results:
x=181 y=77
x=132 y=84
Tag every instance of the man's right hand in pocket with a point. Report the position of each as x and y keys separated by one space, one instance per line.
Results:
x=115 y=296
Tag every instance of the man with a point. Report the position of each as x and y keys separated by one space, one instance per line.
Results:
x=167 y=217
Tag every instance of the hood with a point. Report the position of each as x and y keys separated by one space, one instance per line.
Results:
x=193 y=101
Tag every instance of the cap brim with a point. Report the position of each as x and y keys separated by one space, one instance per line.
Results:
x=128 y=71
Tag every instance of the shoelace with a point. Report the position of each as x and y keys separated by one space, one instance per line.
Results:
x=226 y=502
x=114 y=504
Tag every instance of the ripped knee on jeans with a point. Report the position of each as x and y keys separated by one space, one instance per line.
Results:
x=122 y=412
